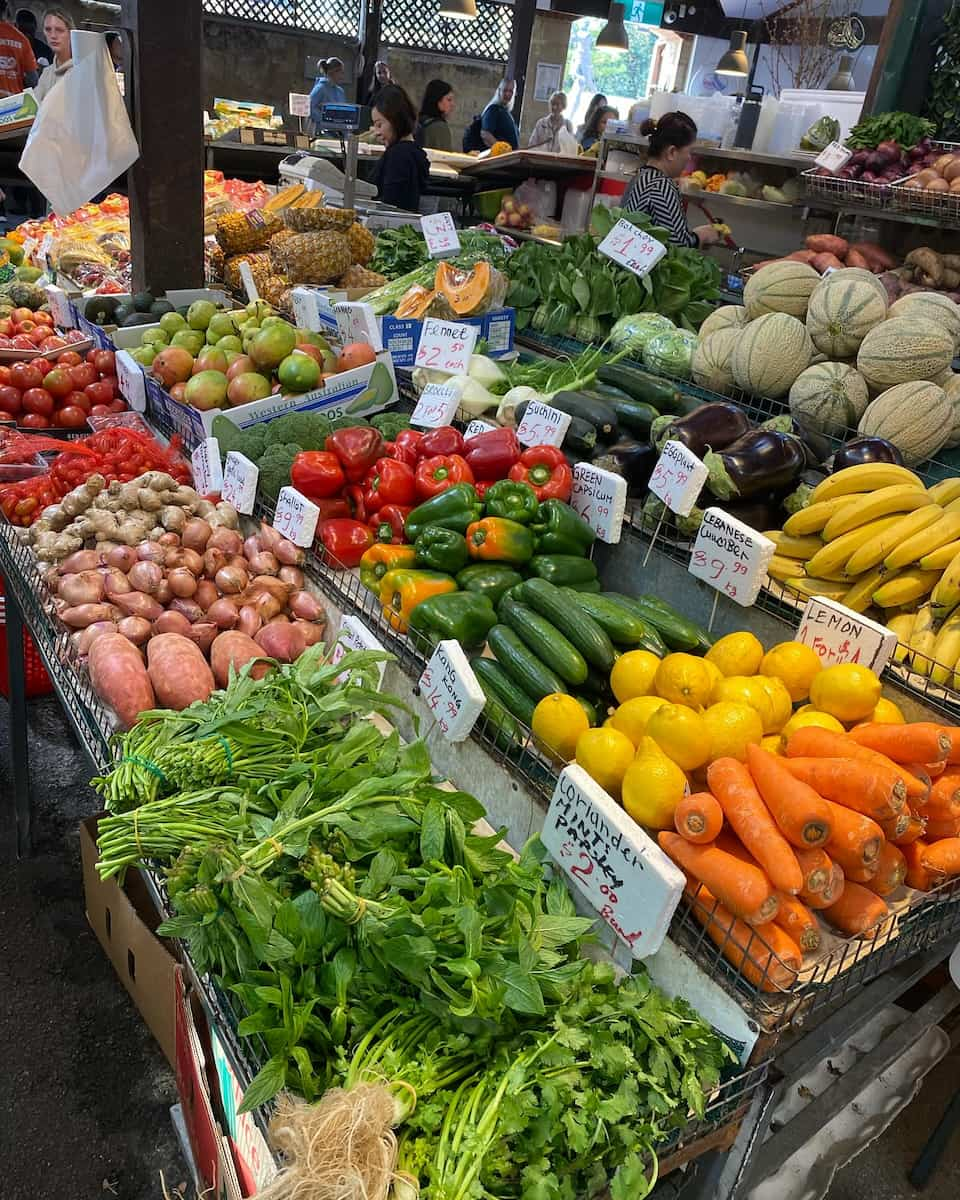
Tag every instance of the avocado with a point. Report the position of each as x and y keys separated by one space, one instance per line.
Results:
x=138 y=318
x=183 y=309
x=142 y=302
x=122 y=311
x=159 y=307
x=101 y=310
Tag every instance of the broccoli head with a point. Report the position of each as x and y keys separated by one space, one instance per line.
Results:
x=231 y=437
x=275 y=464
x=308 y=430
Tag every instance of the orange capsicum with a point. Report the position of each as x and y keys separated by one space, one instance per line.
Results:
x=402 y=590
x=380 y=559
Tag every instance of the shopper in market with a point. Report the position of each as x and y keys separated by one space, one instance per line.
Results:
x=599 y=101
x=18 y=67
x=328 y=88
x=496 y=121
x=381 y=78
x=433 y=132
x=653 y=189
x=546 y=132
x=404 y=168
x=27 y=24
x=593 y=132
x=57 y=27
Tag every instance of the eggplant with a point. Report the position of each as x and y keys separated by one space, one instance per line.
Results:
x=712 y=426
x=760 y=513
x=632 y=459
x=760 y=461
x=866 y=450
x=818 y=446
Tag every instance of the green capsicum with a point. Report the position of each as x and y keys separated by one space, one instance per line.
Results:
x=560 y=530
x=455 y=508
x=441 y=549
x=489 y=579
x=563 y=570
x=515 y=501
x=467 y=617
x=495 y=539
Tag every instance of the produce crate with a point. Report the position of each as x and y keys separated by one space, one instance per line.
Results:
x=931 y=204
x=847 y=191
x=37 y=680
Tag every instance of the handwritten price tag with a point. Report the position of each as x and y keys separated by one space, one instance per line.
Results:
x=354 y=635
x=240 y=477
x=477 y=427
x=678 y=478
x=437 y=406
x=839 y=635
x=249 y=286
x=620 y=871
x=446 y=346
x=60 y=308
x=133 y=386
x=207 y=472
x=296 y=517
x=450 y=690
x=298 y=104
x=730 y=556
x=600 y=497
x=440 y=234
x=543 y=425
x=632 y=248
x=834 y=157
x=356 y=323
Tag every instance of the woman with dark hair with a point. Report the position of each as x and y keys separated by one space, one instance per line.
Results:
x=404 y=169
x=433 y=132
x=653 y=190
x=593 y=130
x=599 y=101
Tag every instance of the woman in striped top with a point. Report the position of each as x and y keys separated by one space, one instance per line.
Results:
x=653 y=190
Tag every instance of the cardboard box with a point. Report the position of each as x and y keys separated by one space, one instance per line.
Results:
x=124 y=920
x=128 y=339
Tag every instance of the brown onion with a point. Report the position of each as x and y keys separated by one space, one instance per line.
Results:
x=138 y=604
x=83 y=587
x=169 y=539
x=249 y=620
x=172 y=622
x=207 y=592
x=213 y=560
x=148 y=551
x=80 y=560
x=223 y=613
x=305 y=606
x=312 y=631
x=203 y=633
x=231 y=580
x=264 y=563
x=115 y=582
x=86 y=637
x=293 y=576
x=145 y=576
x=121 y=557
x=227 y=540
x=163 y=595
x=135 y=629
x=195 y=534
x=182 y=582
x=288 y=553
x=252 y=546
x=187 y=608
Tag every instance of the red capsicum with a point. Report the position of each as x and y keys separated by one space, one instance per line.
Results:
x=435 y=475
x=317 y=474
x=387 y=523
x=442 y=440
x=491 y=455
x=345 y=541
x=546 y=470
x=405 y=446
x=388 y=482
x=357 y=448
x=353 y=496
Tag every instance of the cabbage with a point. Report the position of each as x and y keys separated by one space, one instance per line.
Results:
x=671 y=352
x=633 y=332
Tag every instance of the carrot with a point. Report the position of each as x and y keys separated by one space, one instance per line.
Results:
x=917 y=875
x=795 y=918
x=891 y=870
x=823 y=743
x=741 y=888
x=950 y=732
x=802 y=815
x=861 y=786
x=817 y=867
x=858 y=912
x=935 y=770
x=920 y=772
x=895 y=827
x=765 y=955
x=861 y=874
x=915 y=828
x=943 y=857
x=944 y=798
x=737 y=795
x=855 y=840
x=917 y=743
x=832 y=892
x=936 y=830
x=698 y=818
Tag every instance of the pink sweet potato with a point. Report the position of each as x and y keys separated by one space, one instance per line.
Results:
x=284 y=642
x=856 y=259
x=827 y=243
x=233 y=649
x=878 y=258
x=119 y=677
x=804 y=256
x=178 y=671
x=824 y=261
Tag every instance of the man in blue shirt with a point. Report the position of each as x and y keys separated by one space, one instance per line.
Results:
x=327 y=89
x=497 y=123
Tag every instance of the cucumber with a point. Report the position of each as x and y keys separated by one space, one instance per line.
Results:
x=575 y=624
x=524 y=668
x=665 y=397
x=500 y=726
x=498 y=685
x=622 y=626
x=588 y=408
x=544 y=640
x=592 y=585
x=677 y=631
x=589 y=709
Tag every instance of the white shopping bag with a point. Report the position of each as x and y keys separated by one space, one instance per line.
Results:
x=568 y=144
x=81 y=139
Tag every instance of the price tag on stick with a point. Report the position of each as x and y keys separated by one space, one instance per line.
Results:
x=354 y=635
x=440 y=234
x=240 y=477
x=730 y=556
x=632 y=248
x=476 y=427
x=207 y=472
x=835 y=157
x=299 y=104
x=543 y=425
x=450 y=690
x=356 y=322
x=838 y=635
x=678 y=478
x=249 y=286
x=60 y=308
x=133 y=386
x=446 y=346
x=437 y=406
x=296 y=517
x=600 y=497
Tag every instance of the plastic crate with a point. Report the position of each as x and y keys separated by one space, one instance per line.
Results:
x=37 y=680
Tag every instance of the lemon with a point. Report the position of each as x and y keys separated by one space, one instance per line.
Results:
x=681 y=734
x=886 y=713
x=715 y=673
x=605 y=755
x=803 y=720
x=633 y=674
x=732 y=727
x=848 y=691
x=558 y=720
x=653 y=786
x=776 y=689
x=683 y=679
x=794 y=663
x=772 y=743
x=632 y=716
x=738 y=689
x=736 y=654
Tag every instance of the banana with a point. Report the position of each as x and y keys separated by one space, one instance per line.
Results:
x=900 y=498
x=876 y=549
x=867 y=477
x=832 y=559
x=912 y=549
x=944 y=492
x=860 y=595
x=794 y=547
x=953 y=506
x=946 y=650
x=907 y=587
x=946 y=595
x=939 y=559
x=902 y=625
x=813 y=518
x=923 y=638
x=808 y=586
x=781 y=568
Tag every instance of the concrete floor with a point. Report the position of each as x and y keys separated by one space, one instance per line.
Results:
x=88 y=1091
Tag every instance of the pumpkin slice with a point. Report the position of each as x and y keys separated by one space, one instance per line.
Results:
x=416 y=302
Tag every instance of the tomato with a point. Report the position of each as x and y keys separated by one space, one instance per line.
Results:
x=101 y=410
x=24 y=375
x=58 y=382
x=10 y=401
x=23 y=341
x=34 y=421
x=99 y=392
x=71 y=417
x=38 y=400
x=105 y=361
x=69 y=358
x=84 y=374
x=77 y=399
x=90 y=356
x=118 y=405
x=43 y=318
x=4 y=376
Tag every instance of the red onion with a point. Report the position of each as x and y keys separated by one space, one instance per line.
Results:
x=252 y=546
x=135 y=629
x=182 y=582
x=303 y=605
x=151 y=552
x=249 y=620
x=227 y=540
x=264 y=563
x=163 y=595
x=207 y=592
x=86 y=637
x=115 y=582
x=231 y=580
x=288 y=553
x=121 y=557
x=195 y=534
x=312 y=631
x=292 y=575
x=213 y=560
x=172 y=622
x=203 y=633
x=187 y=608
x=169 y=539
x=83 y=587
x=138 y=604
x=146 y=576
x=223 y=613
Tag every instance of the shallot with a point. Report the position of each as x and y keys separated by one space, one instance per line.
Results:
x=249 y=620
x=80 y=560
x=305 y=606
x=188 y=608
x=231 y=579
x=163 y=595
x=121 y=557
x=115 y=582
x=213 y=560
x=227 y=540
x=148 y=551
x=182 y=582
x=206 y=593
x=146 y=576
x=195 y=534
x=84 y=587
x=139 y=604
x=292 y=575
x=203 y=633
x=86 y=637
x=135 y=629
x=251 y=546
x=312 y=631
x=223 y=613
x=264 y=563
x=172 y=622
x=169 y=539
x=82 y=615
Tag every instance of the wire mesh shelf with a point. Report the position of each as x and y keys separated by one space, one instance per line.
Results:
x=847 y=191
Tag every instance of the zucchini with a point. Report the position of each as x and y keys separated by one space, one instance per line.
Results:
x=665 y=397
x=592 y=585
x=678 y=631
x=524 y=668
x=634 y=416
x=622 y=626
x=498 y=685
x=588 y=408
x=581 y=437
x=575 y=624
x=544 y=640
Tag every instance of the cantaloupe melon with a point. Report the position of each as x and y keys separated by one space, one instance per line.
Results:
x=867 y=277
x=727 y=316
x=904 y=349
x=841 y=313
x=916 y=416
x=934 y=307
x=770 y=353
x=829 y=398
x=780 y=287
x=710 y=367
x=951 y=389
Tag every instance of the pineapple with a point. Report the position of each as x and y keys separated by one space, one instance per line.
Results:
x=275 y=289
x=276 y=247
x=356 y=276
x=241 y=233
x=315 y=257
x=303 y=219
x=261 y=269
x=361 y=243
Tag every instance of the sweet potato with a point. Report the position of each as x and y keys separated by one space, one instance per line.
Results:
x=119 y=677
x=178 y=671
x=856 y=259
x=283 y=642
x=827 y=243
x=804 y=256
x=233 y=649
x=880 y=260
x=824 y=261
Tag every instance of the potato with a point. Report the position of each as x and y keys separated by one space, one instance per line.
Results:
x=938 y=185
x=178 y=671
x=233 y=649
x=120 y=678
x=953 y=171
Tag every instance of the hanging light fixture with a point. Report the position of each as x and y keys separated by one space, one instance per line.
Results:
x=734 y=60
x=613 y=36
x=458 y=10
